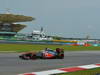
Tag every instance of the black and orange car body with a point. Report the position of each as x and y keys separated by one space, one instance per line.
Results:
x=45 y=54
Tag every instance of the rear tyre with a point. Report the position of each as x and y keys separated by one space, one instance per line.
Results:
x=61 y=56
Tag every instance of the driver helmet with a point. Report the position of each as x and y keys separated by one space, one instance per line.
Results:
x=47 y=49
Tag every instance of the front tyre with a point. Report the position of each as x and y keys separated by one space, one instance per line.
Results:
x=24 y=57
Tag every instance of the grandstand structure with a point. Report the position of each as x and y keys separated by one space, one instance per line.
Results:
x=9 y=28
x=9 y=24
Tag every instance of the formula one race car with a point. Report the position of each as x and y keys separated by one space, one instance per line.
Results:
x=44 y=54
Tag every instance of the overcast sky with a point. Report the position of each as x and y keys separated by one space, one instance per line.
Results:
x=67 y=18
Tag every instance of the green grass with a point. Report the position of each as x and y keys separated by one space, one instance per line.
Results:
x=32 y=47
x=85 y=72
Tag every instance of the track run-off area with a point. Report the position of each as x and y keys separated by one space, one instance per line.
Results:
x=10 y=64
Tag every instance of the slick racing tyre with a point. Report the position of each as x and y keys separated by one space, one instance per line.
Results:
x=61 y=56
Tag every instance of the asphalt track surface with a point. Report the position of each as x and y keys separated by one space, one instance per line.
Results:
x=10 y=64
